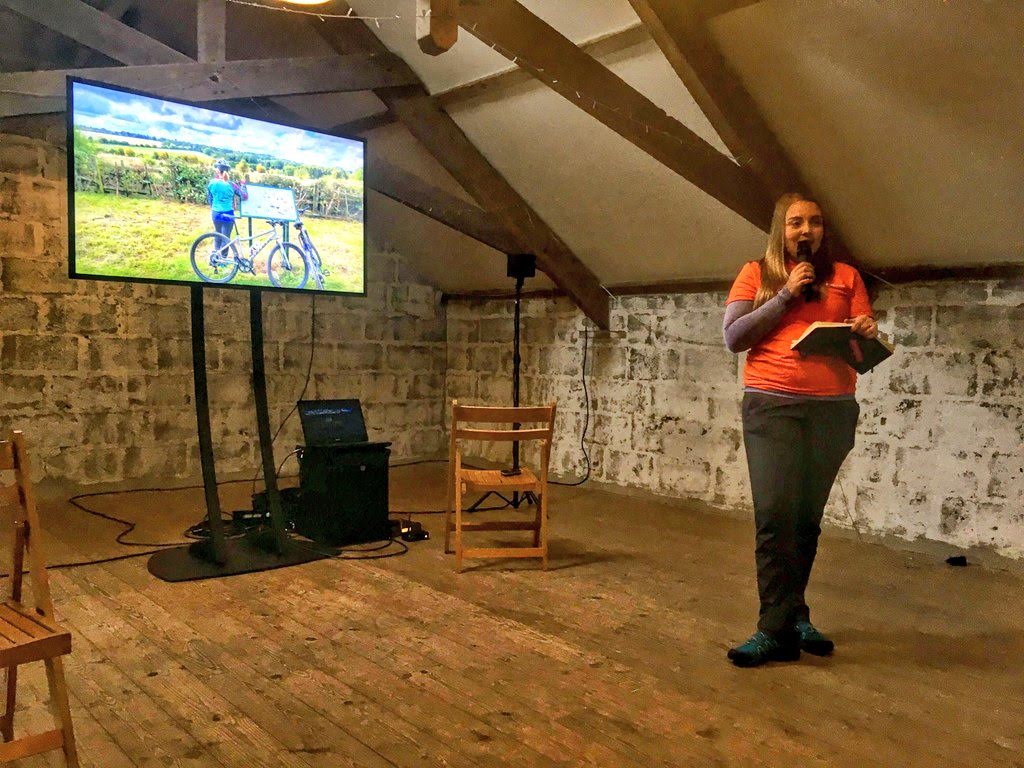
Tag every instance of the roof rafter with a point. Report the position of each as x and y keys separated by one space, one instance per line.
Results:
x=211 y=30
x=436 y=27
x=446 y=141
x=499 y=82
x=680 y=30
x=443 y=138
x=95 y=29
x=117 y=10
x=411 y=191
x=708 y=9
x=218 y=80
x=557 y=62
x=604 y=45
x=362 y=125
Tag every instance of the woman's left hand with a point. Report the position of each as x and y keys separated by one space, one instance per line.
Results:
x=865 y=325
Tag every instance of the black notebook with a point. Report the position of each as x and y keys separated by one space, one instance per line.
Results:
x=837 y=340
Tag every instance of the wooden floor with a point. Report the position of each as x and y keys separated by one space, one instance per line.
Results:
x=614 y=657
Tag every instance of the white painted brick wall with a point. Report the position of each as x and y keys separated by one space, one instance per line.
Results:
x=99 y=375
x=939 y=444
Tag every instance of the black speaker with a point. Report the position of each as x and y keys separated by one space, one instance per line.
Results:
x=344 y=494
x=521 y=265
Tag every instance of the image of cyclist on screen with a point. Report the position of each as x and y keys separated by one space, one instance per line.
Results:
x=220 y=194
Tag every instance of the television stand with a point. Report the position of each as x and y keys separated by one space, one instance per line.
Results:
x=258 y=551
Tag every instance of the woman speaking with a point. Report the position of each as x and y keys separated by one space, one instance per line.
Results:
x=799 y=414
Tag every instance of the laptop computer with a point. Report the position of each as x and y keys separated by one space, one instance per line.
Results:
x=334 y=423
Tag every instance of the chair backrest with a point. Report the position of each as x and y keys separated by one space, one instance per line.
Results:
x=20 y=497
x=543 y=415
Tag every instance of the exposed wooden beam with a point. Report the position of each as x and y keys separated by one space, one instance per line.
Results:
x=446 y=141
x=211 y=29
x=708 y=9
x=411 y=191
x=12 y=104
x=1004 y=271
x=443 y=138
x=220 y=80
x=436 y=27
x=669 y=287
x=499 y=83
x=556 y=61
x=893 y=275
x=117 y=10
x=362 y=125
x=679 y=31
x=95 y=29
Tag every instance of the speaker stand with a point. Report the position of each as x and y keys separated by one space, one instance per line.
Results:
x=259 y=551
x=520 y=266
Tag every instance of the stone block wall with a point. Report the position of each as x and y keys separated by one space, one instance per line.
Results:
x=939 y=445
x=99 y=374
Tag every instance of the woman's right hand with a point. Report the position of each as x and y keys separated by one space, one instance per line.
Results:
x=802 y=274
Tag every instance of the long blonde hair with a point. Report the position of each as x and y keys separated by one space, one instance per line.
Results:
x=773 y=265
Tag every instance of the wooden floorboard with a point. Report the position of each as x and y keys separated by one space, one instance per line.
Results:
x=614 y=657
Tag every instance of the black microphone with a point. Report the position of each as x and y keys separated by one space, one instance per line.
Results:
x=803 y=253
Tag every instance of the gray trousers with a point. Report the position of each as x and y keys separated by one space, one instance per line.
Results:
x=794 y=451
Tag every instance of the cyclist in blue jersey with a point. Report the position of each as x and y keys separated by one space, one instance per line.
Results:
x=220 y=194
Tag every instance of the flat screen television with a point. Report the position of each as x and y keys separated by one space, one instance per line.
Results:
x=163 y=191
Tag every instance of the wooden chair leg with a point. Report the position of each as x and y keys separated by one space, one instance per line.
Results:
x=458 y=526
x=537 y=521
x=62 y=709
x=448 y=513
x=543 y=504
x=7 y=722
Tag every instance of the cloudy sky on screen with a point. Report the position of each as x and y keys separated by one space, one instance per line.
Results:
x=104 y=109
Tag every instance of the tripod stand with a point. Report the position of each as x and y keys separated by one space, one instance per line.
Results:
x=520 y=266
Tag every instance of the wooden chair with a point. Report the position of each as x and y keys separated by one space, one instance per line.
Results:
x=28 y=631
x=462 y=480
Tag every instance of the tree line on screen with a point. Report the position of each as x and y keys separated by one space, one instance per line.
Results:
x=177 y=170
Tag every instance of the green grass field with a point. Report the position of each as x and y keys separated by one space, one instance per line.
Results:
x=151 y=238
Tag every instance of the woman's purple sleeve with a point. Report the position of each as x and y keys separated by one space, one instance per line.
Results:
x=743 y=326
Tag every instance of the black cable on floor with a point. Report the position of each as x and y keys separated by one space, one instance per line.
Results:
x=198 y=530
x=129 y=526
x=339 y=554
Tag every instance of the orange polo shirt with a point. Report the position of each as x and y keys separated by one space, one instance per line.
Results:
x=772 y=365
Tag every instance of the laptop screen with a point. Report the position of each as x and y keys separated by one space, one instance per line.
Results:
x=327 y=422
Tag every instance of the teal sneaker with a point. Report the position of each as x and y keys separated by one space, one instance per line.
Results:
x=762 y=647
x=811 y=640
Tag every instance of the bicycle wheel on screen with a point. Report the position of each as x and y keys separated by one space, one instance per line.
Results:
x=287 y=266
x=214 y=258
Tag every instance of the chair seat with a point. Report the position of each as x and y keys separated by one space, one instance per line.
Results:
x=25 y=636
x=516 y=425
x=492 y=479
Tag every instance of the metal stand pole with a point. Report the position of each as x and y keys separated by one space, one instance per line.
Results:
x=219 y=556
x=517 y=500
x=274 y=540
x=213 y=549
x=517 y=359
